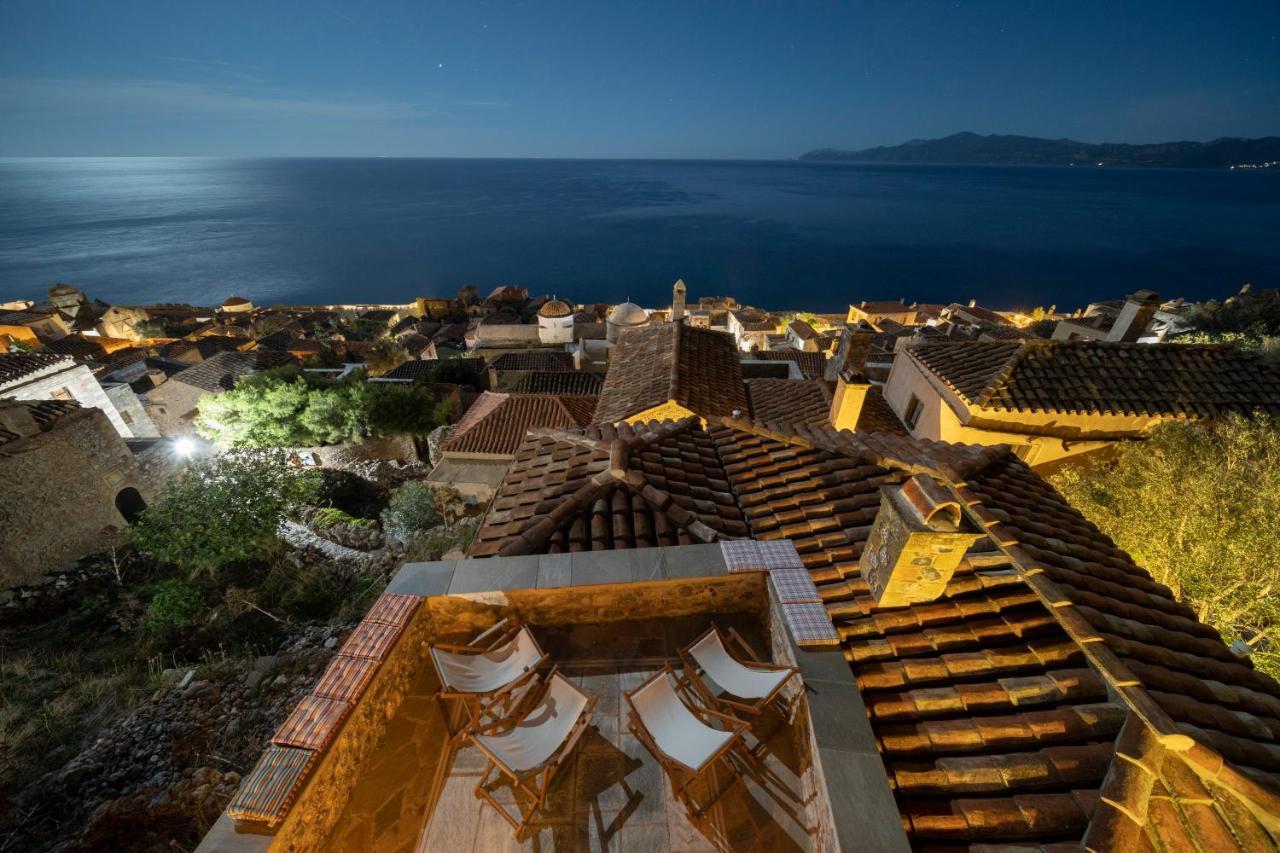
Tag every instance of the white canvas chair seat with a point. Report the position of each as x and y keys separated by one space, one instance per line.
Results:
x=743 y=681
x=488 y=671
x=531 y=746
x=540 y=732
x=674 y=728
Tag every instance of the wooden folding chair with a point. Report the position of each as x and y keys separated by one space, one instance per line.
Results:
x=667 y=718
x=748 y=684
x=487 y=671
x=532 y=745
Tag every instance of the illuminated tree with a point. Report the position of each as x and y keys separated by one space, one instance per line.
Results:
x=1199 y=507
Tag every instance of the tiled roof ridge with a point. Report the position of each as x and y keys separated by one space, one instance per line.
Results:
x=1002 y=375
x=677 y=334
x=1017 y=351
x=954 y=462
x=1202 y=757
x=619 y=442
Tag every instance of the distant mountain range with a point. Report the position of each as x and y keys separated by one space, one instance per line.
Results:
x=1033 y=151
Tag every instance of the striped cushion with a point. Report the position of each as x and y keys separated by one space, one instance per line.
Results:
x=742 y=555
x=313 y=723
x=346 y=678
x=794 y=586
x=780 y=554
x=268 y=791
x=371 y=640
x=393 y=609
x=810 y=625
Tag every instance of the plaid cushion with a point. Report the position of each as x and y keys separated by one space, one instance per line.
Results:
x=742 y=555
x=780 y=554
x=268 y=791
x=793 y=586
x=371 y=640
x=313 y=723
x=346 y=678
x=393 y=609
x=810 y=625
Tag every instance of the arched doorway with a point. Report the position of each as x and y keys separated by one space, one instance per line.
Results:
x=130 y=504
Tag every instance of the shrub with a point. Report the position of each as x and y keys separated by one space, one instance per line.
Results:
x=331 y=516
x=221 y=510
x=412 y=510
x=176 y=604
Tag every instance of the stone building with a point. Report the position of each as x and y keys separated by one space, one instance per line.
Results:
x=172 y=406
x=70 y=482
x=48 y=376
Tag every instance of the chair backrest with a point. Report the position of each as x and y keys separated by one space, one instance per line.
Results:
x=488 y=671
x=675 y=729
x=749 y=683
x=542 y=730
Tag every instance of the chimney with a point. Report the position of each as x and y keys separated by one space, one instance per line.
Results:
x=915 y=544
x=973 y=303
x=677 y=300
x=1135 y=316
x=848 y=370
x=16 y=417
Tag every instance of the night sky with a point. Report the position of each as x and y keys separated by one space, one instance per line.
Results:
x=609 y=78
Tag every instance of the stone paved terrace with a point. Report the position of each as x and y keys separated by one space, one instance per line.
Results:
x=390 y=781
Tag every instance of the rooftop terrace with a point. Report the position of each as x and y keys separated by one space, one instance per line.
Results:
x=383 y=772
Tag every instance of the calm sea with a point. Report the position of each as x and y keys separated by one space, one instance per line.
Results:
x=778 y=234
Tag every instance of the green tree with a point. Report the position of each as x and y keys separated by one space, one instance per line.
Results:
x=220 y=510
x=1199 y=506
x=260 y=413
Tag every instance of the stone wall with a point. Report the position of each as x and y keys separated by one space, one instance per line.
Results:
x=59 y=496
x=131 y=411
x=75 y=382
x=324 y=796
x=170 y=403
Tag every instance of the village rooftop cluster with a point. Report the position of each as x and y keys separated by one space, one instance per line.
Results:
x=858 y=496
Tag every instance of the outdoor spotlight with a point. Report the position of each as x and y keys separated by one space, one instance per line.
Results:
x=184 y=446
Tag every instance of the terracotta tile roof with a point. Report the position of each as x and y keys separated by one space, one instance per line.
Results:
x=496 y=423
x=412 y=369
x=16 y=365
x=605 y=487
x=559 y=382
x=996 y=707
x=45 y=413
x=803 y=330
x=877 y=415
x=800 y=400
x=811 y=364
x=218 y=372
x=534 y=360
x=697 y=368
x=1187 y=380
x=76 y=346
x=984 y=315
x=987 y=691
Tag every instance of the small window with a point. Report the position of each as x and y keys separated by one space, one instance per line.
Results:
x=914 y=408
x=124 y=416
